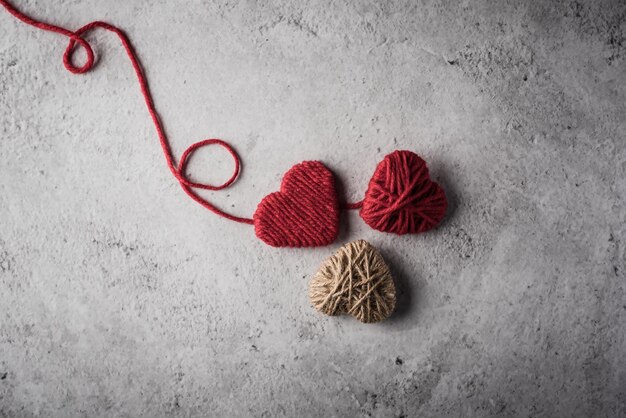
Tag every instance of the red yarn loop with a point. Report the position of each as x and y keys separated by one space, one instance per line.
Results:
x=69 y=51
x=76 y=40
x=182 y=164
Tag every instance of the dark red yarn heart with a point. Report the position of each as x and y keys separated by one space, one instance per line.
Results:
x=401 y=198
x=305 y=213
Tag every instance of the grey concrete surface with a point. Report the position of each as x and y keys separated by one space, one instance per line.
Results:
x=119 y=296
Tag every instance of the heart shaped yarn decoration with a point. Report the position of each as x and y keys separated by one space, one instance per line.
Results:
x=355 y=281
x=304 y=213
x=401 y=198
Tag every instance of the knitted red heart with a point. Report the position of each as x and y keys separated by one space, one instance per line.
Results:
x=401 y=198
x=305 y=212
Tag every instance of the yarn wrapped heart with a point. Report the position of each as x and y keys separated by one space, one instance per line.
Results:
x=401 y=198
x=356 y=281
x=304 y=213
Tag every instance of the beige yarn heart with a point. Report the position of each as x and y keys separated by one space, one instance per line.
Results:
x=356 y=281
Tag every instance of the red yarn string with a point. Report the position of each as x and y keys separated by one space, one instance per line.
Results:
x=355 y=205
x=178 y=172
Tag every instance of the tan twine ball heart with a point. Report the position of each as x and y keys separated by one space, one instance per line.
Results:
x=356 y=281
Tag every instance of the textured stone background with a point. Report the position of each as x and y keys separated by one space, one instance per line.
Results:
x=121 y=297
